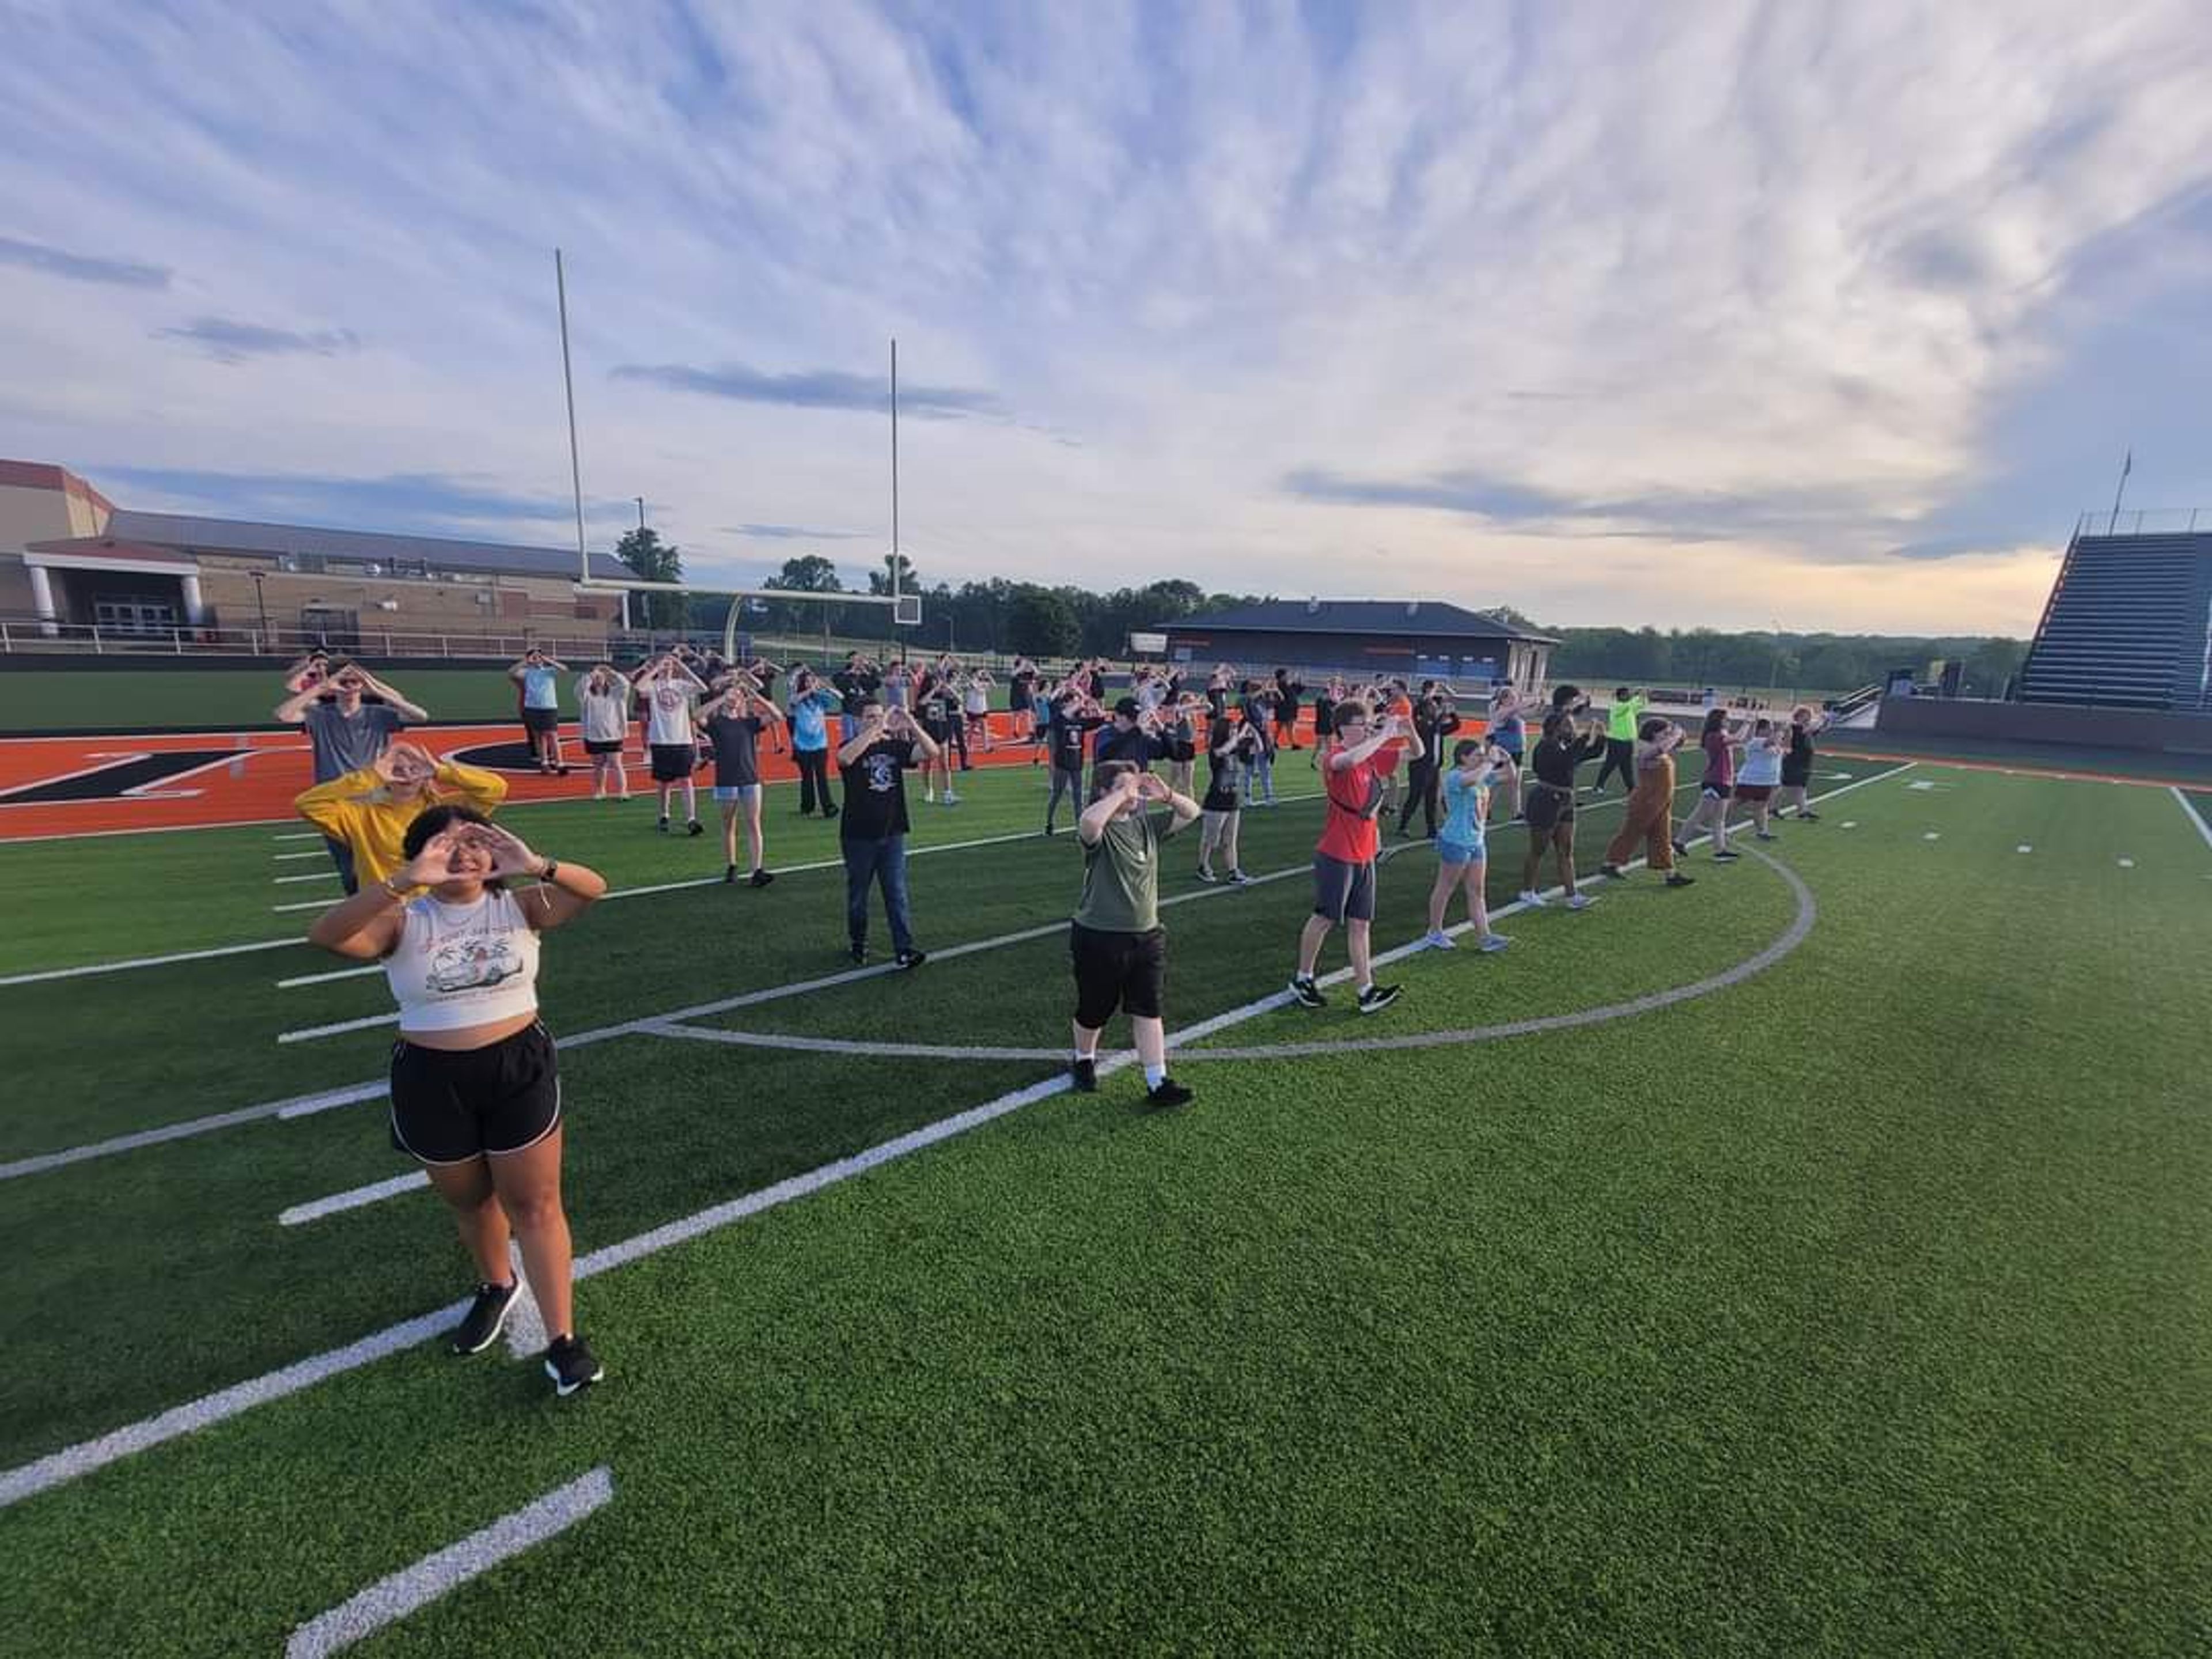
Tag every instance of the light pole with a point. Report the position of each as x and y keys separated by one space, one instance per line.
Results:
x=639 y=500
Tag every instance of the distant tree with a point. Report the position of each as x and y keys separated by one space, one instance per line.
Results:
x=1040 y=621
x=810 y=573
x=652 y=560
x=909 y=579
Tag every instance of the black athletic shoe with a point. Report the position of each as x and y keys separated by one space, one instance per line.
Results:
x=1682 y=850
x=859 y=953
x=1676 y=879
x=827 y=813
x=572 y=1366
x=1375 y=998
x=761 y=878
x=730 y=873
x=1613 y=872
x=1083 y=1074
x=1307 y=994
x=1169 y=1093
x=664 y=826
x=1728 y=857
x=694 y=828
x=1809 y=818
x=911 y=959
x=486 y=1317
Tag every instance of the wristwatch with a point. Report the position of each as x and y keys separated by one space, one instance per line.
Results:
x=552 y=869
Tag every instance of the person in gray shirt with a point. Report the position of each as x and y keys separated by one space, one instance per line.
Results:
x=347 y=732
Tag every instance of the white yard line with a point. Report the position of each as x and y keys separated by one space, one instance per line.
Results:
x=286 y=858
x=299 y=980
x=330 y=874
x=309 y=904
x=2189 y=807
x=391 y=1599
x=146 y=961
x=28 y=1480
x=299 y=834
x=339 y=1202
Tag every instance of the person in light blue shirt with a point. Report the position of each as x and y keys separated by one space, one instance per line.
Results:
x=1462 y=858
x=541 y=707
x=811 y=704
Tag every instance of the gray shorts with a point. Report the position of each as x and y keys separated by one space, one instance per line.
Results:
x=1342 y=891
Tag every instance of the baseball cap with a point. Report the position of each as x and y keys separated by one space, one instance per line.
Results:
x=1130 y=706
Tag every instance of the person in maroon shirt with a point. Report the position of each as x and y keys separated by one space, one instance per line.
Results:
x=1718 y=740
x=1344 y=863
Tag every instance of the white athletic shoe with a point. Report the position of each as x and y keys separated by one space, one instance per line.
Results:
x=1531 y=897
x=952 y=800
x=1581 y=901
x=1493 y=943
x=1439 y=941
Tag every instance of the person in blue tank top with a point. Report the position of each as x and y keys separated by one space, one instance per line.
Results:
x=1462 y=857
x=541 y=707
x=811 y=704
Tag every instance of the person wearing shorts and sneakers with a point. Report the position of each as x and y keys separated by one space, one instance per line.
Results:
x=541 y=707
x=734 y=724
x=1230 y=746
x=603 y=703
x=672 y=692
x=1714 y=788
x=1462 y=858
x=1118 y=949
x=476 y=1089
x=1762 y=774
x=1550 y=809
x=1344 y=863
x=1797 y=764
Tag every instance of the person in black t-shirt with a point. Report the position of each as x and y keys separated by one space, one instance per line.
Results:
x=1551 y=801
x=1074 y=718
x=1435 y=717
x=858 y=679
x=1133 y=735
x=871 y=833
x=732 y=724
x=1797 y=763
x=1287 y=693
x=1231 y=747
x=937 y=704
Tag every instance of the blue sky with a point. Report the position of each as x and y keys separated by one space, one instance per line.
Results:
x=1702 y=313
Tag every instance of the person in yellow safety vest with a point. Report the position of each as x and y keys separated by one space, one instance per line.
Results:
x=1620 y=723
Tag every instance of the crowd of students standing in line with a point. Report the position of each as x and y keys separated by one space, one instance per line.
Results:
x=475 y=1088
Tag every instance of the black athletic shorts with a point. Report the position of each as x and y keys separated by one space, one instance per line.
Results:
x=1547 y=808
x=603 y=745
x=1342 y=891
x=537 y=721
x=450 y=1106
x=672 y=761
x=1117 y=970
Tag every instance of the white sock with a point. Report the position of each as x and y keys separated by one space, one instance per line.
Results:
x=1080 y=1055
x=1155 y=1076
x=1365 y=988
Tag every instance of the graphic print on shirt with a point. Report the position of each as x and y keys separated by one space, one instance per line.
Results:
x=473 y=962
x=883 y=772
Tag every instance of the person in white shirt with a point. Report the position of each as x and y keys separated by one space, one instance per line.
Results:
x=603 y=696
x=1755 y=785
x=671 y=696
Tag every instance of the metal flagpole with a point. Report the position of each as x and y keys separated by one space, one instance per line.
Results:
x=895 y=524
x=2126 y=467
x=568 y=382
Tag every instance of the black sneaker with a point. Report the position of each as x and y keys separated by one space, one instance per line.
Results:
x=486 y=1317
x=1083 y=1074
x=1682 y=850
x=1728 y=857
x=664 y=826
x=1676 y=879
x=694 y=828
x=1307 y=993
x=827 y=813
x=1809 y=818
x=1238 y=879
x=911 y=959
x=730 y=873
x=1613 y=872
x=572 y=1366
x=761 y=877
x=1169 y=1093
x=859 y=952
x=1375 y=998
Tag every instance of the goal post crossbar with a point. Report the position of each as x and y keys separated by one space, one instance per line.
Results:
x=905 y=608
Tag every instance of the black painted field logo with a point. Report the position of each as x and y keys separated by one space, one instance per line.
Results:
x=137 y=774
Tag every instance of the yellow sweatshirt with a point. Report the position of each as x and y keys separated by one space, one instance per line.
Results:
x=353 y=809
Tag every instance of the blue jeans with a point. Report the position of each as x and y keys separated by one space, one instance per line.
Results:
x=848 y=727
x=882 y=862
x=1263 y=775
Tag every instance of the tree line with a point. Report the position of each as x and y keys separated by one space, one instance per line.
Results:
x=1060 y=621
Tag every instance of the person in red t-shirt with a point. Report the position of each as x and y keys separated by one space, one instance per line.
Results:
x=1344 y=864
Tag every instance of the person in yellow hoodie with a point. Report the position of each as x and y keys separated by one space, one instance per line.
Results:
x=370 y=809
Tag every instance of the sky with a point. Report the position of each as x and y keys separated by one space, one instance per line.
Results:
x=1827 y=316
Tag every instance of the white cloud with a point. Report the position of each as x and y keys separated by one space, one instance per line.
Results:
x=1705 y=251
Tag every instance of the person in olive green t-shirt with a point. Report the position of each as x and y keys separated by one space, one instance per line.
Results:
x=1621 y=722
x=1116 y=939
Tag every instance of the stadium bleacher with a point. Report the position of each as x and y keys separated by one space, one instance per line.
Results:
x=2129 y=623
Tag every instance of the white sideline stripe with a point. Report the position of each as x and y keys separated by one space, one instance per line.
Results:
x=391 y=1599
x=299 y=834
x=352 y=1200
x=28 y=1480
x=526 y=1336
x=282 y=858
x=312 y=875
x=335 y=973
x=146 y=961
x=2196 y=818
x=363 y=1024
x=310 y=905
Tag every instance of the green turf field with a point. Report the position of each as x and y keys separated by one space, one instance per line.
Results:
x=1863 y=1304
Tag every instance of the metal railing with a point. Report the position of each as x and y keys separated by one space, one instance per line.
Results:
x=28 y=635
x=2146 y=521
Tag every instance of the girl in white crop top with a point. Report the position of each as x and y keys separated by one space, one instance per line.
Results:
x=476 y=1091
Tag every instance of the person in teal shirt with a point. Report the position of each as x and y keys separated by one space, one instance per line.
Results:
x=1462 y=858
x=812 y=705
